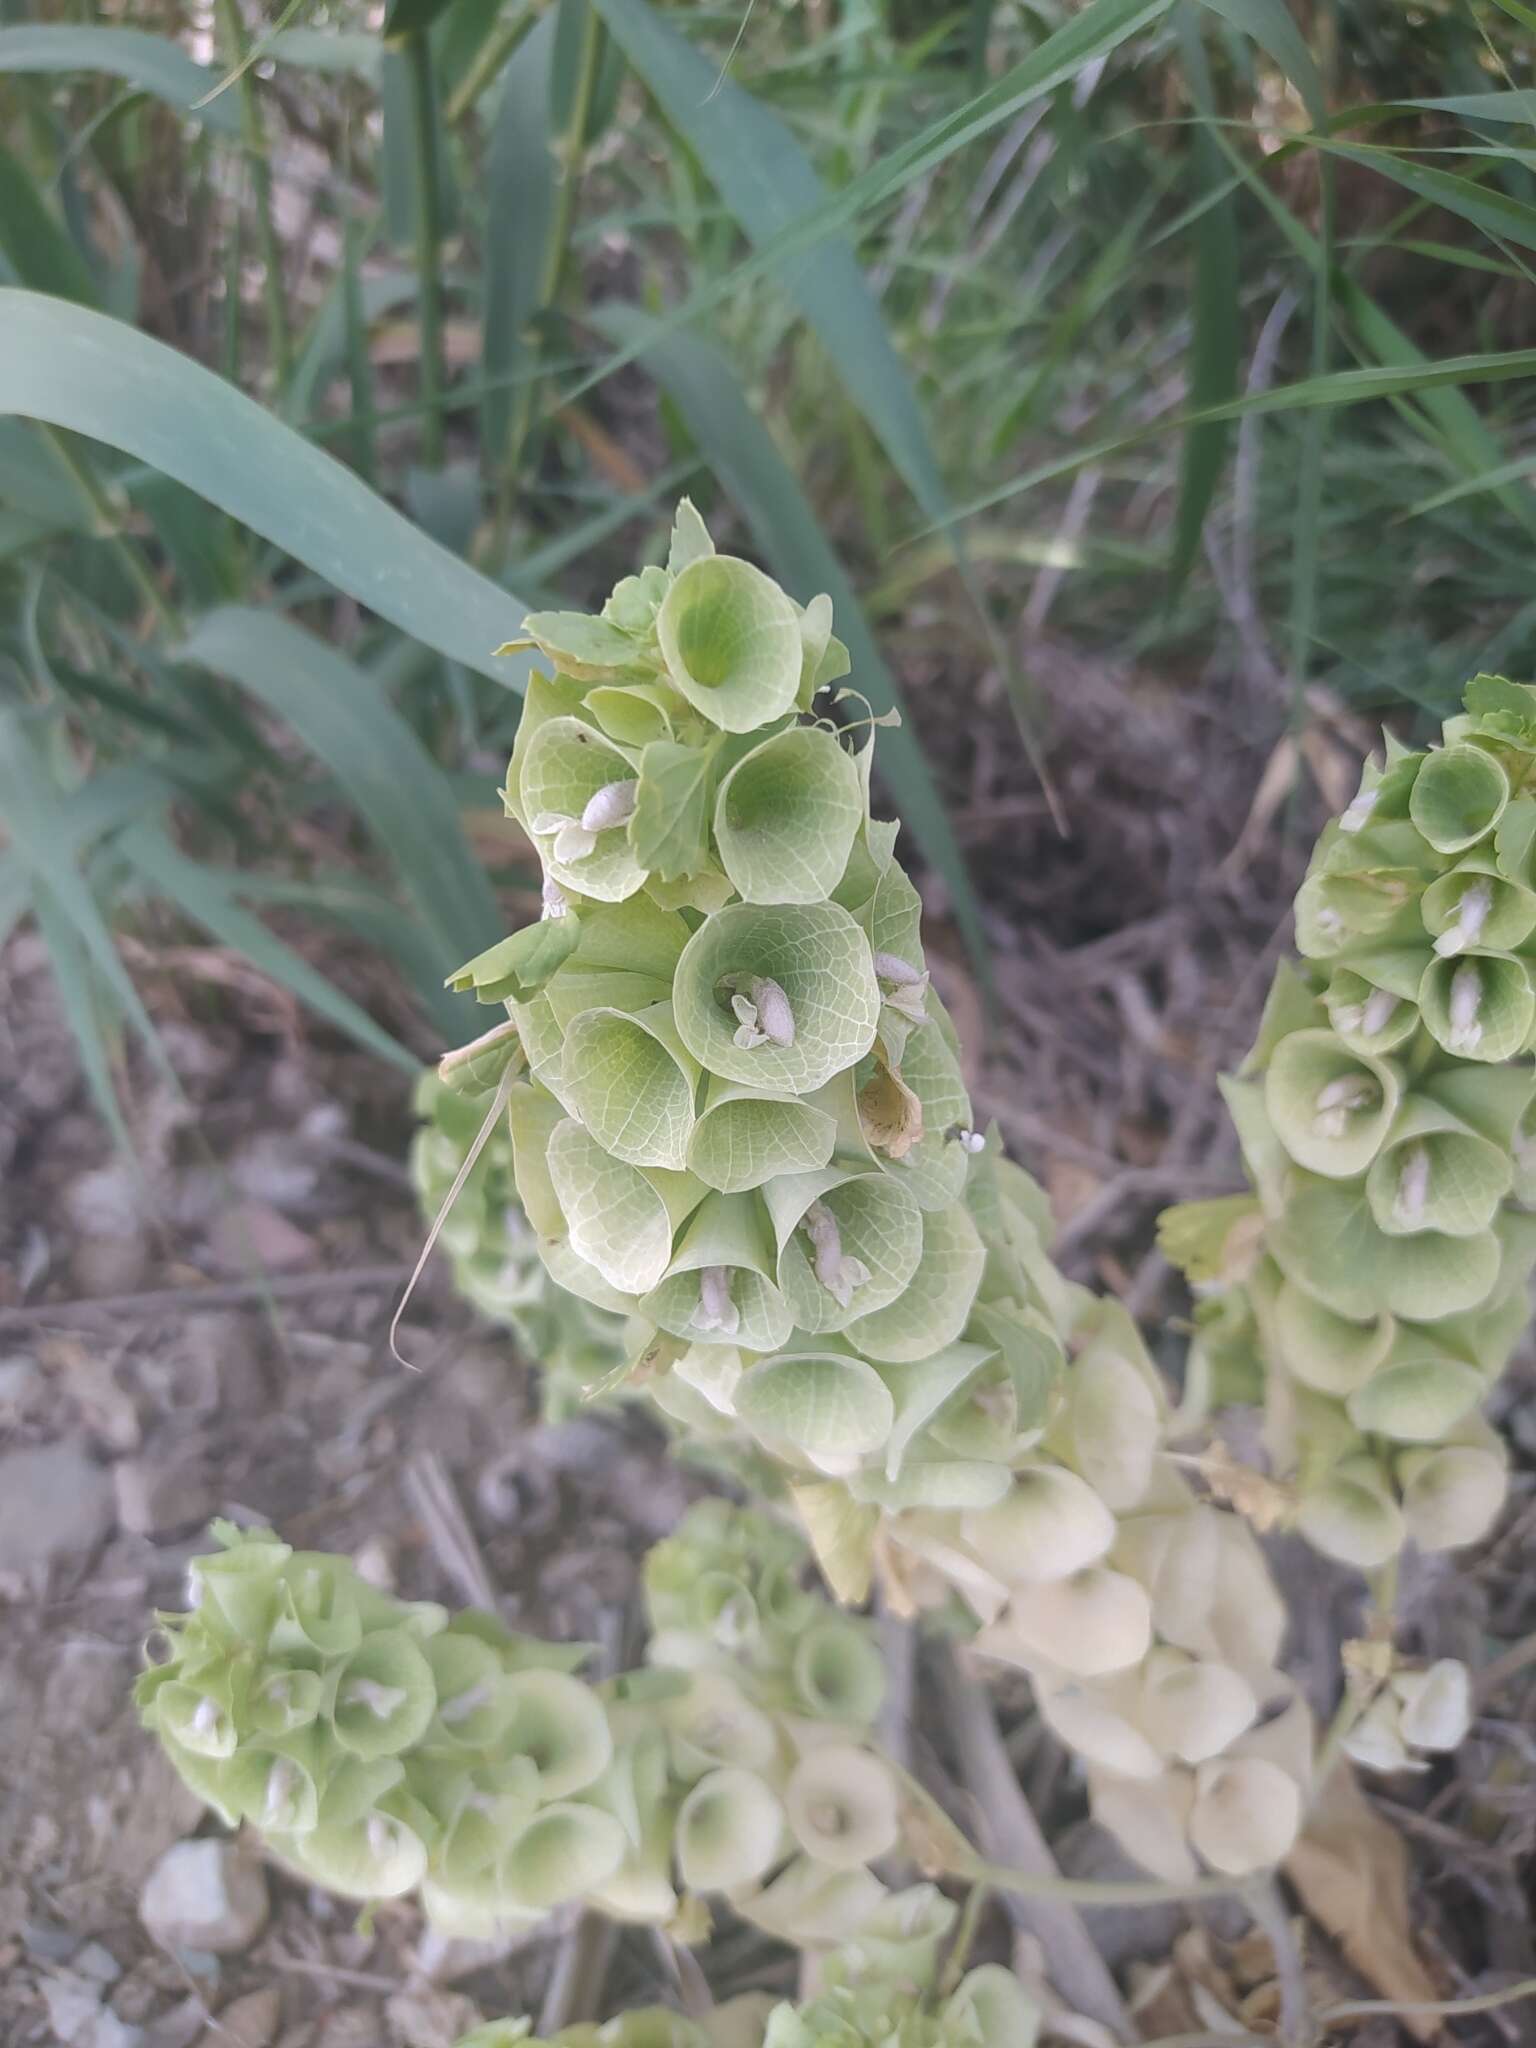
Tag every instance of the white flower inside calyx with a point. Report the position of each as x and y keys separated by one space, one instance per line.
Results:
x=1412 y=1185
x=1471 y=916
x=838 y=1272
x=282 y=1784
x=575 y=838
x=1338 y=1101
x=716 y=1310
x=556 y=902
x=380 y=1700
x=465 y=1703
x=1358 y=814
x=763 y=1015
x=906 y=986
x=1466 y=1033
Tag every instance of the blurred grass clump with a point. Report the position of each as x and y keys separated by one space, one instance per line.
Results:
x=335 y=335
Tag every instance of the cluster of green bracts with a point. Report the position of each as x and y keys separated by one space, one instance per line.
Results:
x=1379 y=1276
x=383 y=1747
x=496 y=1263
x=883 y=1991
x=738 y=1119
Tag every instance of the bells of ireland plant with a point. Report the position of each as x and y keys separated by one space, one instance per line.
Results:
x=383 y=1746
x=1375 y=1284
x=740 y=1119
x=488 y=1238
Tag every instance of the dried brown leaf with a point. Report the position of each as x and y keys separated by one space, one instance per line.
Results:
x=1350 y=1869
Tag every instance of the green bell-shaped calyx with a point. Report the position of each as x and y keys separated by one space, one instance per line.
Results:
x=1387 y=1277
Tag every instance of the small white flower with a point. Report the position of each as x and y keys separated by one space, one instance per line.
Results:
x=614 y=804
x=716 y=1310
x=763 y=1015
x=906 y=987
x=1412 y=1185
x=1466 y=1033
x=971 y=1141
x=838 y=1272
x=380 y=1700
x=465 y=1703
x=206 y=1716
x=382 y=1837
x=1338 y=1101
x=1379 y=1011
x=1471 y=916
x=282 y=1784
x=556 y=902
x=1358 y=814
x=573 y=841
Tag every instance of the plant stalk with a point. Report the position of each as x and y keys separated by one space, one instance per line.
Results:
x=570 y=150
x=279 y=336
x=498 y=46
x=429 y=236
x=110 y=526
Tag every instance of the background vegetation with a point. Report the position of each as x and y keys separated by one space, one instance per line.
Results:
x=1192 y=336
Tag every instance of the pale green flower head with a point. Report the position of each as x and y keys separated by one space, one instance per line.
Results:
x=740 y=1119
x=989 y=2009
x=1384 y=1118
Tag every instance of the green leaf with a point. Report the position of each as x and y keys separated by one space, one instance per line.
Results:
x=1215 y=339
x=517 y=968
x=211 y=903
x=1273 y=27
x=410 y=17
x=767 y=180
x=397 y=787
x=39 y=247
x=149 y=63
x=80 y=370
x=704 y=388
x=668 y=832
x=520 y=198
x=1100 y=28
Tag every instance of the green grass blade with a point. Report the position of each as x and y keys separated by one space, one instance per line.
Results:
x=741 y=452
x=520 y=204
x=39 y=247
x=80 y=370
x=1214 y=336
x=78 y=998
x=1497 y=213
x=1272 y=26
x=149 y=63
x=768 y=182
x=1099 y=29
x=349 y=724
x=211 y=904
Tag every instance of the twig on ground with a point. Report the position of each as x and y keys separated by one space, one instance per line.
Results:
x=580 y=1970
x=190 y=1300
x=1011 y=1831
x=431 y=1493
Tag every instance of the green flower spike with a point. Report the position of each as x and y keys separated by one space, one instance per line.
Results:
x=745 y=1125
x=1381 y=1279
x=384 y=1747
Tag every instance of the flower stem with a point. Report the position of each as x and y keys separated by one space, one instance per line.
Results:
x=279 y=340
x=429 y=231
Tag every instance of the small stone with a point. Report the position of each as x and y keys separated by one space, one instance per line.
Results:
x=255 y=1234
x=96 y=1962
x=205 y=1895
x=249 y=2021
x=78 y=2017
x=52 y=1500
x=157 y=1497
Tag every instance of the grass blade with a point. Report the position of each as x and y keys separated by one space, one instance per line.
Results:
x=520 y=199
x=150 y=63
x=1100 y=28
x=211 y=904
x=1214 y=339
x=80 y=370
x=398 y=789
x=38 y=246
